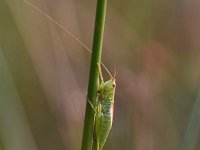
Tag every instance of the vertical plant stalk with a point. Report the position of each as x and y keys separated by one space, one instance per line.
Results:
x=87 y=138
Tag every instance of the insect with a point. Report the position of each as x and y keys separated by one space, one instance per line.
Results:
x=104 y=104
x=103 y=108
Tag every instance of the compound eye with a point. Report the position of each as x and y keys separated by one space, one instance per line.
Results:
x=114 y=85
x=98 y=91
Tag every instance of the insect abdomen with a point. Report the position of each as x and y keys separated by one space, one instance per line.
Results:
x=106 y=123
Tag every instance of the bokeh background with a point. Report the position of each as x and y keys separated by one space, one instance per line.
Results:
x=155 y=45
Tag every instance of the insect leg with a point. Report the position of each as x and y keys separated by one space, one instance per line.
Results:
x=98 y=125
x=100 y=74
x=93 y=107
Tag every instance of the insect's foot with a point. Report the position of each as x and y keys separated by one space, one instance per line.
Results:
x=91 y=104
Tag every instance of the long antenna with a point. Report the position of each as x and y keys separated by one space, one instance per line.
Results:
x=107 y=70
x=59 y=25
x=64 y=29
x=115 y=71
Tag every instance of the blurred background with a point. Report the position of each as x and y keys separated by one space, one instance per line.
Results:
x=155 y=45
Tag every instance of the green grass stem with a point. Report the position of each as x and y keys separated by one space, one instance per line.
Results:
x=87 y=138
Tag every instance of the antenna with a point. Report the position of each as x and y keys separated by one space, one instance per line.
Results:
x=65 y=31
x=107 y=70
x=115 y=71
x=59 y=25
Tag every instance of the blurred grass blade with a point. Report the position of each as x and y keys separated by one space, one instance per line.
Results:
x=14 y=128
x=193 y=129
x=27 y=83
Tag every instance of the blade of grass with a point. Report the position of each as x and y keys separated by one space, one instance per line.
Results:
x=87 y=138
x=190 y=140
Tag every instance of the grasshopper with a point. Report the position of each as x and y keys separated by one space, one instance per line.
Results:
x=104 y=104
x=104 y=108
